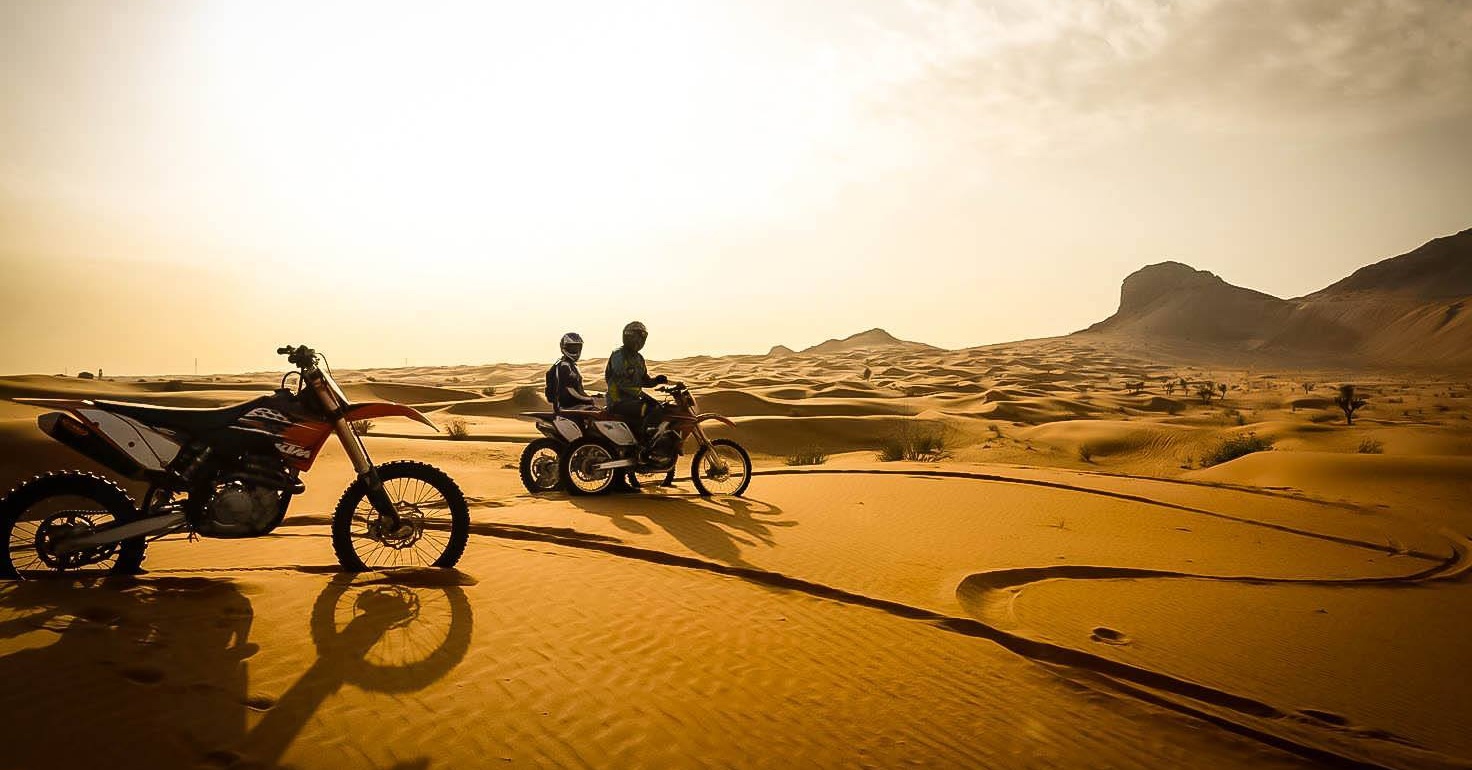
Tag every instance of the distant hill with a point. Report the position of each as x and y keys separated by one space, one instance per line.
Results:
x=780 y=350
x=1406 y=310
x=1439 y=269
x=1173 y=300
x=872 y=339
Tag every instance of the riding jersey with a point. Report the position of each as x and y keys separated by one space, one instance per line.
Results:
x=570 y=393
x=626 y=375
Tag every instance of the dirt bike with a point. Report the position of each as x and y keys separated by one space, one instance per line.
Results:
x=541 y=461
x=590 y=447
x=229 y=472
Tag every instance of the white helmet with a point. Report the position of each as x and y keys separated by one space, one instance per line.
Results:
x=572 y=345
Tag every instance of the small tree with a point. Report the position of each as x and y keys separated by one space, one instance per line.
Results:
x=1223 y=389
x=1205 y=391
x=1348 y=403
x=867 y=373
x=1135 y=388
x=1170 y=387
x=1307 y=386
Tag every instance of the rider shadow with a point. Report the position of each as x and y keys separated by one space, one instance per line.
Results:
x=152 y=672
x=716 y=528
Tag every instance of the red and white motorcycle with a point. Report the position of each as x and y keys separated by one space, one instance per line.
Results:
x=230 y=473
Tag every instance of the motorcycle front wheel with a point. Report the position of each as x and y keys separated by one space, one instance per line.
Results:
x=540 y=466
x=434 y=521
x=721 y=468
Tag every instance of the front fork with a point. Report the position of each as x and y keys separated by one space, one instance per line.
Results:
x=368 y=474
x=710 y=451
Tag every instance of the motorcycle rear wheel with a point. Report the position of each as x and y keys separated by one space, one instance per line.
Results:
x=435 y=521
x=541 y=466
x=37 y=510
x=577 y=470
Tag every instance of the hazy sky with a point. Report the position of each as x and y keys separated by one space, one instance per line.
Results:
x=461 y=183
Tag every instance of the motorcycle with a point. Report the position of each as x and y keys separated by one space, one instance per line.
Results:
x=585 y=450
x=229 y=472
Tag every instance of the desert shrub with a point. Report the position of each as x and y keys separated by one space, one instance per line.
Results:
x=361 y=427
x=1206 y=391
x=488 y=391
x=1085 y=453
x=995 y=429
x=371 y=378
x=914 y=440
x=1233 y=447
x=457 y=429
x=1370 y=446
x=1348 y=403
x=1322 y=417
x=808 y=456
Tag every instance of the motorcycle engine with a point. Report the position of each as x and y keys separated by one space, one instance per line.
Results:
x=242 y=501
x=239 y=508
x=664 y=450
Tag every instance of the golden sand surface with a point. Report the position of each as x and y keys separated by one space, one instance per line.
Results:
x=1075 y=583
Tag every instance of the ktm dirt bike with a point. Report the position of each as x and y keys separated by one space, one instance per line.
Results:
x=230 y=473
x=601 y=446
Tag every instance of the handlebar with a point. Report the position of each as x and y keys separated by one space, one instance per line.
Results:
x=299 y=355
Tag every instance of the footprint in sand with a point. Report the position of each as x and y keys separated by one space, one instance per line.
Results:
x=143 y=674
x=259 y=702
x=1108 y=636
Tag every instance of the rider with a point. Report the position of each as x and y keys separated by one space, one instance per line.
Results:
x=627 y=378
x=567 y=381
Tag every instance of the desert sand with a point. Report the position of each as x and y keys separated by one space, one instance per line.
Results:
x=1154 y=543
x=1072 y=584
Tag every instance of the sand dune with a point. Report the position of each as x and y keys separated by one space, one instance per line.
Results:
x=1087 y=577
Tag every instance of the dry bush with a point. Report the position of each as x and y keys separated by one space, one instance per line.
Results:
x=915 y=440
x=361 y=427
x=1085 y=453
x=457 y=429
x=488 y=391
x=1233 y=447
x=1370 y=446
x=808 y=456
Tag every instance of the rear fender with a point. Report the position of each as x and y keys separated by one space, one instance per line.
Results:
x=372 y=409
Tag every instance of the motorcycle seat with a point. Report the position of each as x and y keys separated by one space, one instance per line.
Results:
x=183 y=419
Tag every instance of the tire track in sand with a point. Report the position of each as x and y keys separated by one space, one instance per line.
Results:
x=1037 y=650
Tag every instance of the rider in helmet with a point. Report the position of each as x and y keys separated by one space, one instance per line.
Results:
x=567 y=380
x=627 y=378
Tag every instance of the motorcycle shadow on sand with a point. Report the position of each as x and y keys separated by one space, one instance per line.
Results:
x=717 y=528
x=153 y=672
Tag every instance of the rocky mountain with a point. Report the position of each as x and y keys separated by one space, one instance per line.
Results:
x=1405 y=310
x=874 y=338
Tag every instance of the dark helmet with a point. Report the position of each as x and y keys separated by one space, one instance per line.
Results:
x=572 y=345
x=635 y=335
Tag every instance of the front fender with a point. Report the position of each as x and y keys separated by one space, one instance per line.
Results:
x=716 y=417
x=374 y=409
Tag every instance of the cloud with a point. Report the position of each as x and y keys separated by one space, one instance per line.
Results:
x=1031 y=74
